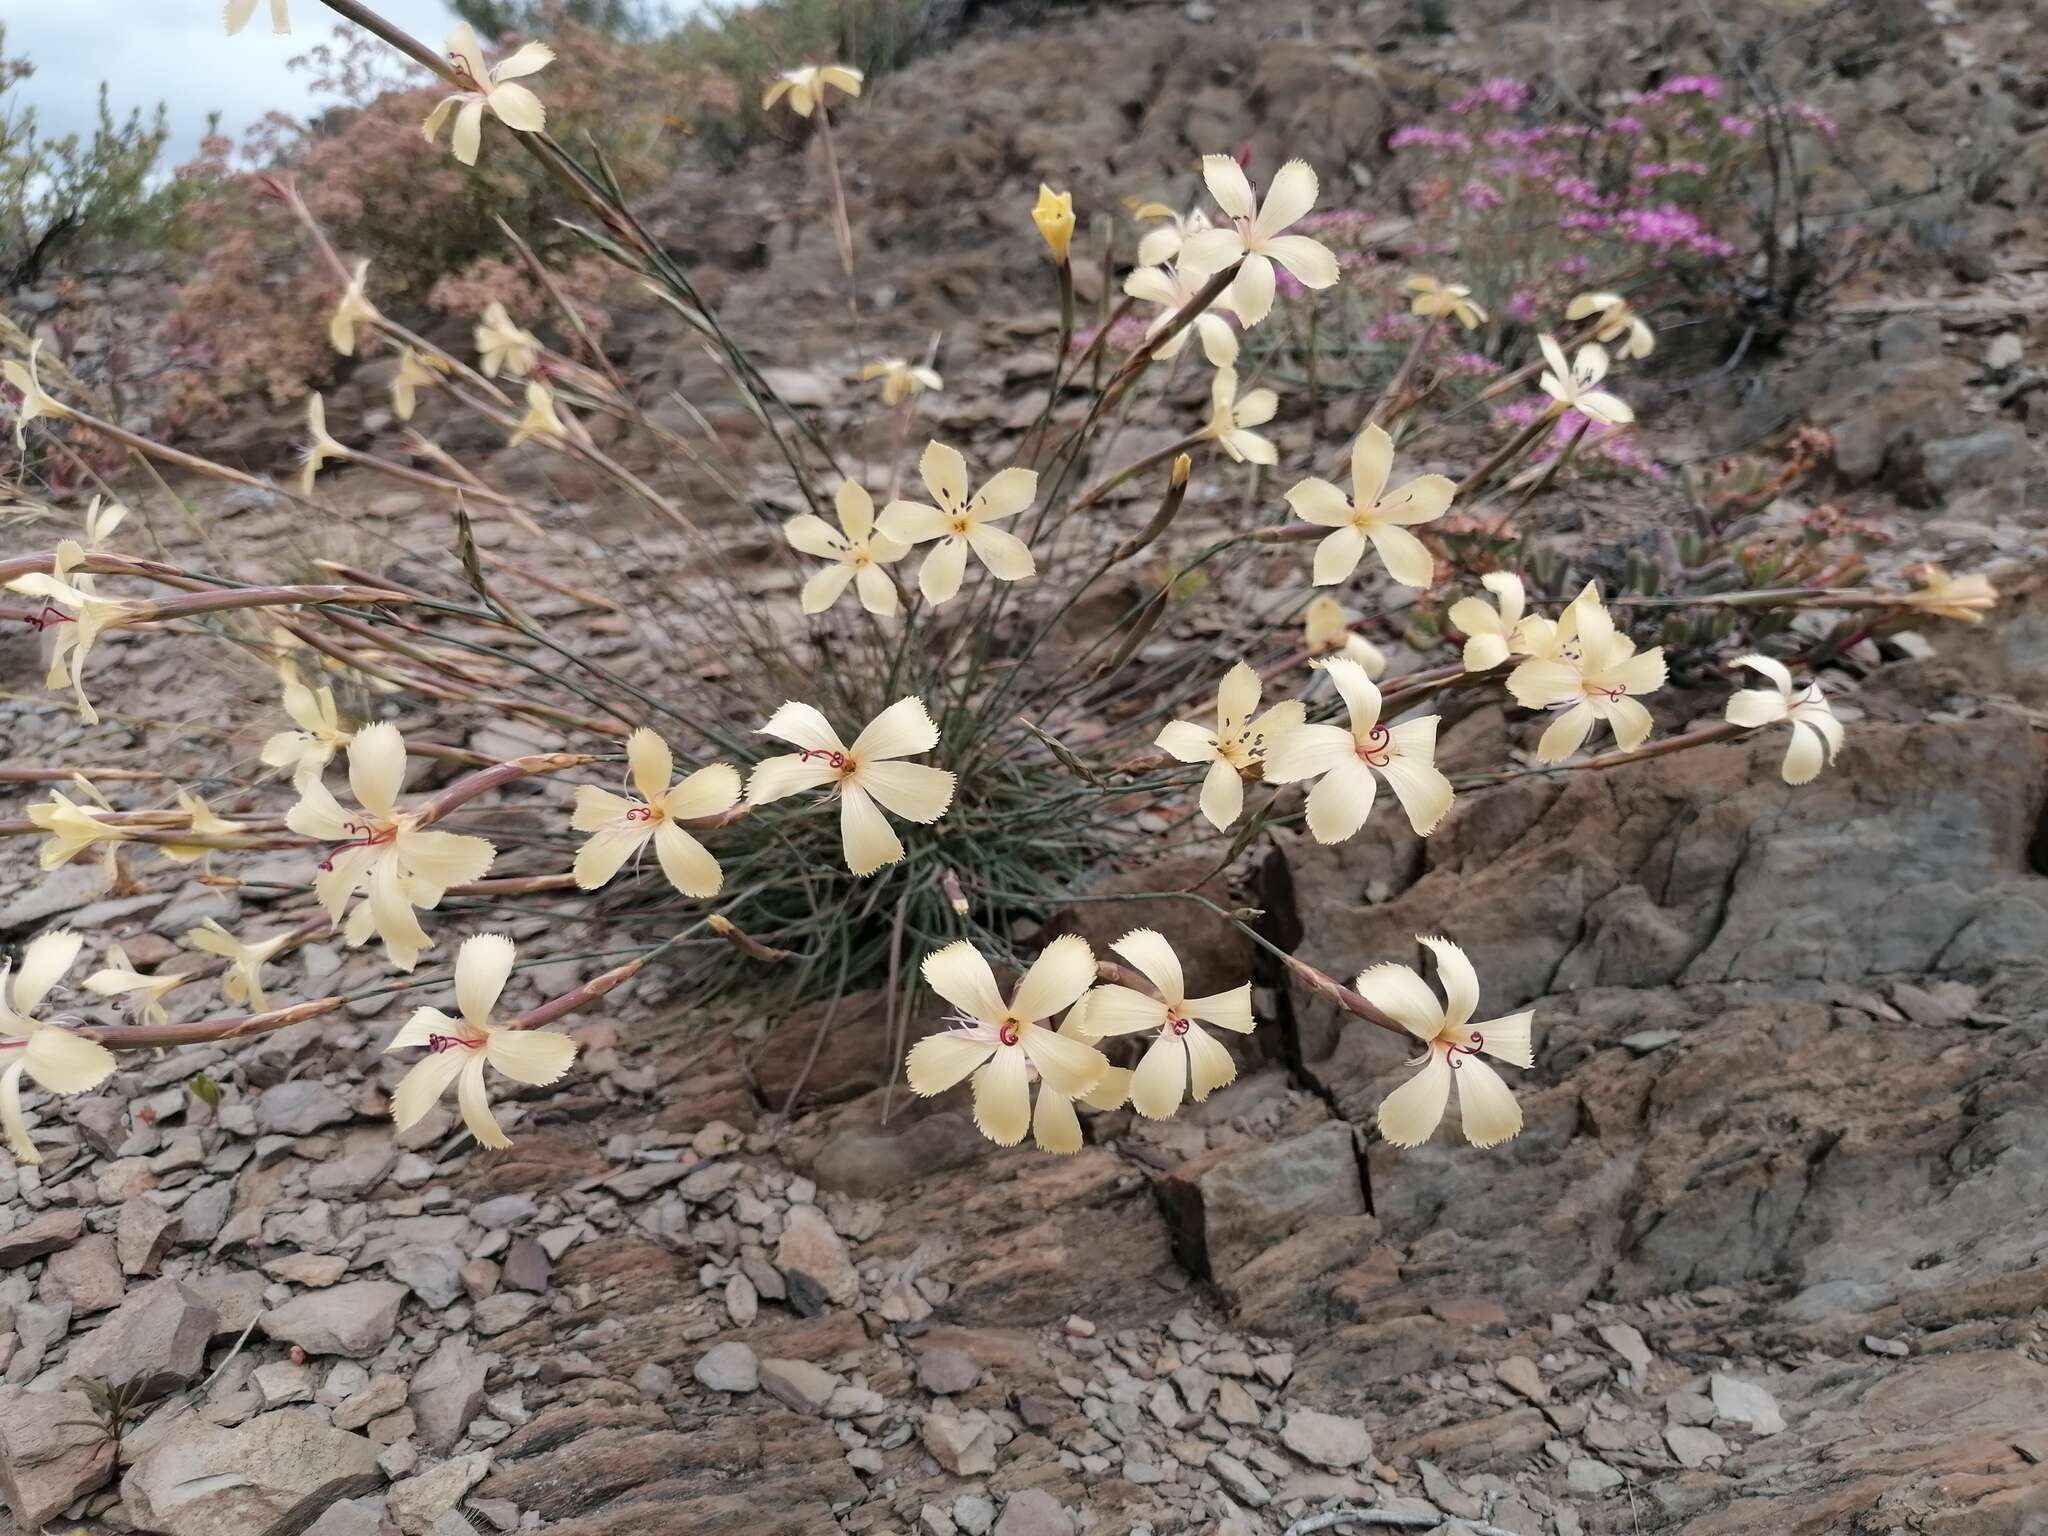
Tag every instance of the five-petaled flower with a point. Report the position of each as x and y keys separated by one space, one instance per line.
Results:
x=382 y=850
x=1577 y=387
x=620 y=827
x=1493 y=635
x=28 y=383
x=961 y=523
x=868 y=776
x=805 y=87
x=1345 y=761
x=901 y=379
x=1257 y=235
x=1003 y=1043
x=320 y=734
x=74 y=828
x=857 y=550
x=239 y=12
x=1237 y=747
x=1231 y=420
x=354 y=310
x=57 y=1059
x=1452 y=1042
x=490 y=90
x=458 y=1049
x=1434 y=300
x=1326 y=631
x=1592 y=678
x=542 y=419
x=1617 y=318
x=1053 y=213
x=1173 y=289
x=502 y=346
x=1185 y=1058
x=146 y=994
x=1816 y=733
x=1374 y=515
x=76 y=619
x=243 y=981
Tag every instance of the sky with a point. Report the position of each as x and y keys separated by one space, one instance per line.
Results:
x=176 y=52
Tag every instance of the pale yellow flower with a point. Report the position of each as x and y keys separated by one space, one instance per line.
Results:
x=1172 y=289
x=901 y=380
x=1592 y=679
x=460 y=1048
x=27 y=382
x=1816 y=733
x=320 y=734
x=239 y=12
x=868 y=776
x=503 y=346
x=621 y=826
x=1576 y=387
x=1493 y=635
x=857 y=550
x=354 y=310
x=317 y=452
x=1345 y=761
x=1237 y=747
x=1003 y=1043
x=1257 y=235
x=1967 y=598
x=1054 y=215
x=961 y=523
x=1434 y=299
x=1452 y=1043
x=1160 y=246
x=491 y=90
x=203 y=821
x=145 y=994
x=1373 y=516
x=542 y=419
x=1617 y=318
x=805 y=87
x=1231 y=420
x=1185 y=1058
x=243 y=980
x=415 y=373
x=1326 y=631
x=75 y=828
x=75 y=632
x=57 y=1059
x=382 y=849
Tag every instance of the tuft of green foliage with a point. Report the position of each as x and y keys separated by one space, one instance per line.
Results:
x=59 y=196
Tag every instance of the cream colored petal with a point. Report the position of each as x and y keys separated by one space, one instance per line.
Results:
x=1771 y=668
x=1337 y=556
x=1425 y=794
x=910 y=790
x=476 y=1104
x=940 y=575
x=418 y=1031
x=1341 y=801
x=1230 y=1010
x=1155 y=960
x=1460 y=982
x=1372 y=461
x=66 y=1063
x=1507 y=1038
x=1002 y=1098
x=376 y=768
x=1007 y=493
x=1222 y=798
x=529 y=60
x=437 y=860
x=1632 y=723
x=1754 y=707
x=945 y=475
x=877 y=591
x=825 y=588
x=421 y=1087
x=688 y=863
x=1056 y=981
x=1422 y=500
x=1006 y=555
x=468 y=138
x=1228 y=185
x=1486 y=1104
x=1553 y=354
x=1318 y=501
x=1070 y=1066
x=1290 y=198
x=393 y=918
x=1816 y=716
x=710 y=791
x=317 y=814
x=779 y=777
x=1219 y=341
x=535 y=1057
x=1411 y=1113
x=1186 y=742
x=1054 y=1125
x=1156 y=248
x=650 y=762
x=1249 y=448
x=481 y=968
x=1310 y=261
x=1257 y=408
x=45 y=960
x=814 y=536
x=466 y=51
x=869 y=841
x=1805 y=755
x=1360 y=694
x=1210 y=251
x=1251 y=293
x=1538 y=683
x=938 y=1062
x=1161 y=1080
x=774 y=93
x=904 y=729
x=1406 y=558
x=1210 y=1065
x=1121 y=1011
x=841 y=78
x=1403 y=996
x=517 y=107
x=1566 y=734
x=1307 y=751
x=1483 y=652
x=802 y=726
x=1514 y=598
x=18 y=1141
x=1237 y=697
x=912 y=522
x=960 y=975
x=1609 y=410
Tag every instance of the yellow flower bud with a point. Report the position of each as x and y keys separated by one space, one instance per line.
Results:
x=1053 y=213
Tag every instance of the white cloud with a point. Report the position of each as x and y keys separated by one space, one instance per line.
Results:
x=177 y=52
